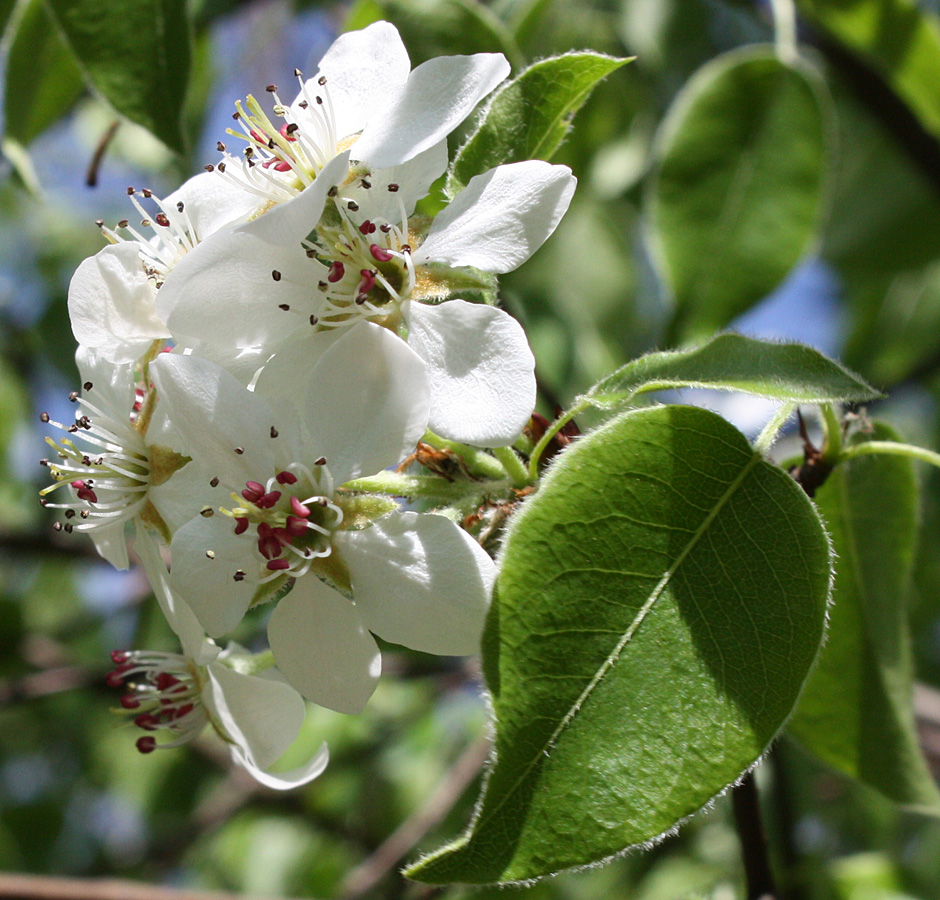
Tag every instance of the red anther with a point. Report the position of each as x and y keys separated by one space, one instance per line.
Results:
x=78 y=485
x=259 y=138
x=253 y=491
x=88 y=495
x=182 y=711
x=368 y=281
x=287 y=131
x=337 y=271
x=115 y=679
x=286 y=478
x=130 y=701
x=162 y=219
x=298 y=509
x=241 y=524
x=146 y=744
x=295 y=526
x=118 y=657
x=280 y=165
x=276 y=565
x=268 y=500
x=366 y=227
x=268 y=543
x=378 y=254
x=147 y=721
x=165 y=681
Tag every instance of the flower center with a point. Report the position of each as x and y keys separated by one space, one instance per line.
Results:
x=291 y=517
x=173 y=234
x=108 y=479
x=163 y=693
x=280 y=161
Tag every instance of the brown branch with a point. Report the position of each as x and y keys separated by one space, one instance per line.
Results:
x=392 y=851
x=747 y=818
x=15 y=886
x=91 y=176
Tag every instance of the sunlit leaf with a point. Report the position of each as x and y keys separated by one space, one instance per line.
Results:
x=529 y=117
x=737 y=198
x=660 y=602
x=856 y=712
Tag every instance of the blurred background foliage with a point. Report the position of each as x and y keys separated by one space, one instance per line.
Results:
x=142 y=100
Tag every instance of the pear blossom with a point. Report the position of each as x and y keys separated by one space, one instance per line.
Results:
x=113 y=468
x=352 y=563
x=364 y=97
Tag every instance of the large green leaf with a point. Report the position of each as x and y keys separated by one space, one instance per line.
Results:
x=660 y=602
x=137 y=57
x=737 y=198
x=898 y=37
x=529 y=117
x=42 y=78
x=732 y=362
x=856 y=712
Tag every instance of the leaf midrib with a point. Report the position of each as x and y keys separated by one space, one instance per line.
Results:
x=627 y=636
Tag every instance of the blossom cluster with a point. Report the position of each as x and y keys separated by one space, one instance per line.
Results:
x=278 y=331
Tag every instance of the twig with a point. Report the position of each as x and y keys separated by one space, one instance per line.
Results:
x=45 y=887
x=91 y=177
x=747 y=818
x=370 y=872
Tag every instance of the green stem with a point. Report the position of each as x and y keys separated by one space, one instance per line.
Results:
x=553 y=429
x=397 y=485
x=868 y=447
x=770 y=431
x=513 y=465
x=832 y=426
x=479 y=463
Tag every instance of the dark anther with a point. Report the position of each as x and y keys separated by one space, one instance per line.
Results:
x=284 y=306
x=352 y=206
x=180 y=206
x=214 y=482
x=276 y=275
x=73 y=396
x=239 y=450
x=99 y=223
x=87 y=385
x=331 y=192
x=130 y=192
x=44 y=417
x=239 y=575
x=220 y=147
x=161 y=219
x=393 y=188
x=207 y=512
x=314 y=320
x=320 y=462
x=271 y=88
x=273 y=432
x=321 y=80
x=297 y=73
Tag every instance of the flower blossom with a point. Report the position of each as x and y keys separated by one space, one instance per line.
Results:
x=281 y=454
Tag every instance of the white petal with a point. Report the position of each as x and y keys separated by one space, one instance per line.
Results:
x=208 y=585
x=414 y=179
x=480 y=368
x=224 y=291
x=210 y=202
x=225 y=427
x=114 y=386
x=289 y=222
x=501 y=217
x=365 y=71
x=322 y=647
x=111 y=304
x=180 y=617
x=262 y=715
x=439 y=95
x=284 y=781
x=420 y=581
x=185 y=493
x=111 y=544
x=366 y=402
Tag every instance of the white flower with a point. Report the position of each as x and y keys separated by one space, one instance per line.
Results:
x=416 y=579
x=242 y=696
x=111 y=295
x=250 y=289
x=114 y=467
x=365 y=98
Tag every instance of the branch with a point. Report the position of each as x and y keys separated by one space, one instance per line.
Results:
x=45 y=887
x=747 y=818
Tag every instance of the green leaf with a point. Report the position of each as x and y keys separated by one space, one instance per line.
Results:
x=898 y=38
x=738 y=194
x=138 y=59
x=42 y=78
x=733 y=362
x=856 y=712
x=660 y=602
x=529 y=117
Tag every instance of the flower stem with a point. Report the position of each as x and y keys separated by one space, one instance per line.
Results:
x=513 y=465
x=784 y=15
x=553 y=429
x=398 y=485
x=890 y=447
x=750 y=828
x=770 y=431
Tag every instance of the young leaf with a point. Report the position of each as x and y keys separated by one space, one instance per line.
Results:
x=42 y=78
x=661 y=600
x=529 y=117
x=856 y=712
x=737 y=198
x=137 y=57
x=733 y=362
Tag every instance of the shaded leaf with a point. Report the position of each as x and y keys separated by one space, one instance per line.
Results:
x=736 y=363
x=529 y=117
x=857 y=710
x=660 y=602
x=137 y=58
x=43 y=80
x=738 y=194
